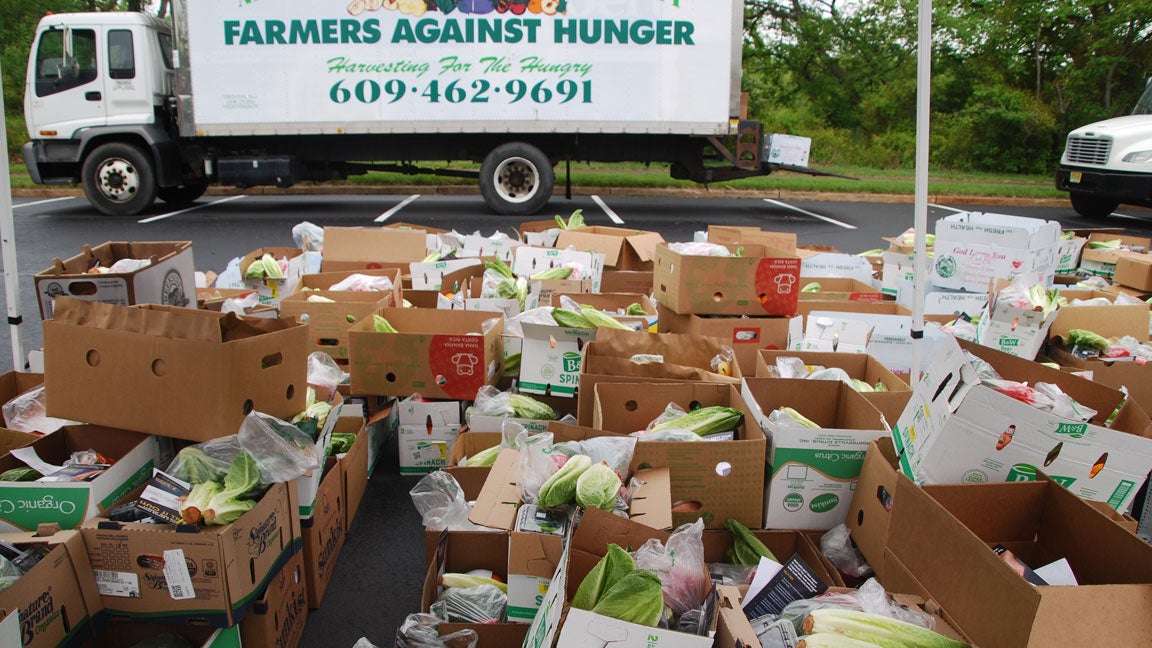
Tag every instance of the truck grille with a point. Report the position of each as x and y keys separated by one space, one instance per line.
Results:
x=1089 y=150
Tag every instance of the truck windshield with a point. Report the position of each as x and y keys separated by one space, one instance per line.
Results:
x=1144 y=105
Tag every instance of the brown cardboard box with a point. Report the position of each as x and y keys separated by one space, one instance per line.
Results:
x=460 y=552
x=746 y=335
x=782 y=544
x=14 y=383
x=532 y=561
x=228 y=565
x=718 y=480
x=11 y=439
x=354 y=466
x=438 y=353
x=626 y=281
x=1103 y=261
x=860 y=366
x=686 y=357
x=325 y=280
x=870 y=516
x=369 y=248
x=328 y=323
x=840 y=289
x=623 y=249
x=169 y=280
x=1116 y=320
x=471 y=482
x=191 y=374
x=124 y=634
x=871 y=308
x=324 y=533
x=468 y=444
x=765 y=281
x=1134 y=270
x=729 y=235
x=56 y=600
x=278 y=615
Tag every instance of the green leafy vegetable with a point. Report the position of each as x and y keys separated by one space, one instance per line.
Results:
x=468 y=580
x=484 y=458
x=191 y=510
x=381 y=325
x=560 y=488
x=341 y=443
x=195 y=467
x=226 y=506
x=597 y=487
x=704 y=421
x=746 y=547
x=615 y=565
x=23 y=473
x=876 y=629
x=635 y=598
x=1087 y=340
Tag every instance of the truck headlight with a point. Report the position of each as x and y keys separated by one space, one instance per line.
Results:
x=1138 y=156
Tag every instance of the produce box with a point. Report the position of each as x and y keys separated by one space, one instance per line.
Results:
x=1134 y=270
x=789 y=150
x=1102 y=261
x=891 y=339
x=971 y=433
x=713 y=480
x=1121 y=372
x=732 y=235
x=532 y=561
x=746 y=335
x=208 y=575
x=843 y=266
x=371 y=248
x=532 y=260
x=468 y=444
x=890 y=402
x=1068 y=254
x=438 y=353
x=383 y=423
x=26 y=505
x=460 y=552
x=839 y=289
x=354 y=465
x=444 y=275
x=765 y=281
x=616 y=304
x=278 y=615
x=169 y=279
x=426 y=433
x=272 y=290
x=192 y=374
x=324 y=532
x=974 y=248
x=309 y=483
x=124 y=634
x=474 y=245
x=14 y=383
x=623 y=249
x=328 y=322
x=53 y=603
x=812 y=472
x=1115 y=320
x=626 y=281
x=550 y=358
x=1008 y=327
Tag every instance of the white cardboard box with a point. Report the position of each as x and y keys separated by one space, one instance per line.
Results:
x=939 y=302
x=828 y=332
x=974 y=248
x=1068 y=254
x=532 y=260
x=957 y=430
x=789 y=149
x=1019 y=331
x=308 y=484
x=484 y=247
x=426 y=433
x=430 y=276
x=829 y=264
x=551 y=357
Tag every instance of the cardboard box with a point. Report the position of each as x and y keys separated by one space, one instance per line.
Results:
x=958 y=430
x=686 y=358
x=550 y=358
x=438 y=353
x=444 y=276
x=1133 y=376
x=891 y=340
x=789 y=150
x=812 y=472
x=1102 y=262
x=473 y=245
x=940 y=531
x=839 y=289
x=426 y=433
x=831 y=264
x=1134 y=270
x=940 y=302
x=324 y=532
x=766 y=281
x=540 y=233
x=55 y=602
x=383 y=423
x=864 y=367
x=1007 y=327
x=328 y=323
x=746 y=335
x=325 y=280
x=191 y=374
x=974 y=248
x=623 y=249
x=1116 y=320
x=26 y=505
x=531 y=260
x=278 y=615
x=627 y=281
x=713 y=480
x=271 y=290
x=122 y=634
x=616 y=304
x=532 y=561
x=354 y=465
x=830 y=333
x=168 y=280
x=870 y=512
x=1068 y=254
x=369 y=248
x=226 y=566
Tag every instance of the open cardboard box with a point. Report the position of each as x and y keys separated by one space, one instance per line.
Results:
x=325 y=280
x=615 y=304
x=354 y=464
x=627 y=281
x=958 y=430
x=26 y=505
x=1103 y=261
x=746 y=335
x=812 y=472
x=124 y=634
x=55 y=602
x=169 y=279
x=839 y=289
x=426 y=432
x=438 y=353
x=737 y=235
x=272 y=290
x=328 y=322
x=324 y=532
x=765 y=281
x=623 y=249
x=191 y=374
x=1112 y=321
x=279 y=613
x=890 y=402
x=1114 y=373
x=222 y=568
x=973 y=249
x=533 y=260
x=714 y=480
x=1006 y=326
x=817 y=264
x=369 y=248
x=1134 y=269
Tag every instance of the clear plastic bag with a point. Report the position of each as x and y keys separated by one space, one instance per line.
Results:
x=647 y=358
x=422 y=631
x=671 y=412
x=441 y=503
x=791 y=367
x=687 y=436
x=615 y=451
x=490 y=401
x=728 y=574
x=9 y=573
x=25 y=413
x=129 y=265
x=479 y=604
x=832 y=373
x=1095 y=283
x=797 y=611
x=538 y=461
x=680 y=565
x=1095 y=301
x=324 y=372
x=282 y=452
x=240 y=305
x=722 y=362
x=874 y=599
x=700 y=249
x=1063 y=404
x=308 y=236
x=837 y=546
x=783 y=419
x=205 y=461
x=363 y=283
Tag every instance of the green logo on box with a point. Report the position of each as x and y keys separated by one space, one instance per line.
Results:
x=1006 y=341
x=1021 y=472
x=946 y=266
x=571 y=361
x=1074 y=430
x=793 y=502
x=28 y=507
x=1066 y=482
x=824 y=503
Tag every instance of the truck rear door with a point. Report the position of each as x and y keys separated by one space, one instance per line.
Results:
x=66 y=90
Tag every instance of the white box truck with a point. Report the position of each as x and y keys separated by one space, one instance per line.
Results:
x=273 y=92
x=1109 y=163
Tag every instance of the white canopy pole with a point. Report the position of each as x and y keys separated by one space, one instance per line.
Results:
x=8 y=245
x=920 y=222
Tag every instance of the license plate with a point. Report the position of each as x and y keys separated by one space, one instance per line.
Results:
x=1075 y=177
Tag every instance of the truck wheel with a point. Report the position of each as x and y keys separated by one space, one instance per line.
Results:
x=119 y=179
x=1094 y=207
x=182 y=195
x=516 y=179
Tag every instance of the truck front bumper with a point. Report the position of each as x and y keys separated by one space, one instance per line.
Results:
x=52 y=162
x=1130 y=188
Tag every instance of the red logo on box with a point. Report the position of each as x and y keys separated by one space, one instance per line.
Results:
x=777 y=285
x=458 y=363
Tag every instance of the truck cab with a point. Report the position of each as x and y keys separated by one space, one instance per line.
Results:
x=1109 y=163
x=95 y=102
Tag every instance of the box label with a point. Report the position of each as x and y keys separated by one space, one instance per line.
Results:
x=113 y=583
x=177 y=576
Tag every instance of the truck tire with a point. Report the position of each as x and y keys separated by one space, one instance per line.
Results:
x=1094 y=207
x=182 y=195
x=516 y=179
x=119 y=179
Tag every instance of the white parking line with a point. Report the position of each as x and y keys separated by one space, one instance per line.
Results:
x=608 y=210
x=392 y=212
x=41 y=202
x=951 y=209
x=808 y=213
x=158 y=217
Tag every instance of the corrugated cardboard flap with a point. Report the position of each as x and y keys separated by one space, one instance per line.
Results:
x=108 y=253
x=496 y=505
x=677 y=349
x=165 y=321
x=652 y=503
